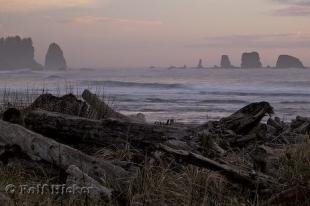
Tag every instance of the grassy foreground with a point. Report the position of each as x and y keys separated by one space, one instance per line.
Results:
x=165 y=185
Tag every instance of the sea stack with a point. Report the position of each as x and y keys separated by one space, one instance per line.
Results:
x=17 y=53
x=287 y=61
x=251 y=60
x=200 y=66
x=55 y=59
x=225 y=62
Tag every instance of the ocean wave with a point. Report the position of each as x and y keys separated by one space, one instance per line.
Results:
x=186 y=110
x=159 y=100
x=224 y=101
x=295 y=102
x=53 y=77
x=152 y=110
x=134 y=84
x=280 y=94
x=304 y=83
x=16 y=71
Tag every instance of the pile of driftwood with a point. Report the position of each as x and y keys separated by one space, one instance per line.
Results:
x=66 y=133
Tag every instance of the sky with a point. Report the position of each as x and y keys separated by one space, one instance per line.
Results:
x=138 y=33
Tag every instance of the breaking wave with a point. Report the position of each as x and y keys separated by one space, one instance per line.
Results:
x=134 y=84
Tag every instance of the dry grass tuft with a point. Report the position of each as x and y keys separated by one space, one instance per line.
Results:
x=295 y=165
x=192 y=186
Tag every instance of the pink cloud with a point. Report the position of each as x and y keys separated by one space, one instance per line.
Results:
x=281 y=40
x=293 y=8
x=112 y=20
x=33 y=5
x=293 y=11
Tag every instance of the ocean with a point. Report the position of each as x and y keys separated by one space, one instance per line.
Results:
x=186 y=95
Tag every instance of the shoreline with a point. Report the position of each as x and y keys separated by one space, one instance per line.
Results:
x=23 y=98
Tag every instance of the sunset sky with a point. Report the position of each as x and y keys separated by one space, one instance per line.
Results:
x=120 y=33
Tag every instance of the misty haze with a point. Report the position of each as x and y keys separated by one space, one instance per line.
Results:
x=110 y=102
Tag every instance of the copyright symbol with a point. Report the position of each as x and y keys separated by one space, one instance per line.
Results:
x=10 y=189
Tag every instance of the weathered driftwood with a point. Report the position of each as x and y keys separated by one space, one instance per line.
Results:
x=210 y=143
x=107 y=132
x=301 y=125
x=227 y=138
x=38 y=148
x=258 y=133
x=95 y=191
x=247 y=118
x=13 y=115
x=99 y=109
x=67 y=104
x=275 y=123
x=177 y=144
x=240 y=176
x=242 y=140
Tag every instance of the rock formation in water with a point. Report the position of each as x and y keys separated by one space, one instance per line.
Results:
x=251 y=60
x=17 y=53
x=287 y=61
x=200 y=66
x=225 y=62
x=55 y=59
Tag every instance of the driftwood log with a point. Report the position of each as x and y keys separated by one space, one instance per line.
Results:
x=40 y=148
x=99 y=109
x=237 y=175
x=13 y=115
x=247 y=118
x=96 y=191
x=278 y=125
x=301 y=125
x=104 y=133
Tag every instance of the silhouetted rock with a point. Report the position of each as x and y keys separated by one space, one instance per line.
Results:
x=17 y=53
x=55 y=59
x=251 y=60
x=287 y=61
x=200 y=66
x=225 y=62
x=172 y=67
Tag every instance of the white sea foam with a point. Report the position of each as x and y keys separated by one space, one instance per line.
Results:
x=186 y=95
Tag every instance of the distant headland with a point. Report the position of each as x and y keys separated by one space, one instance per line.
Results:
x=18 y=53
